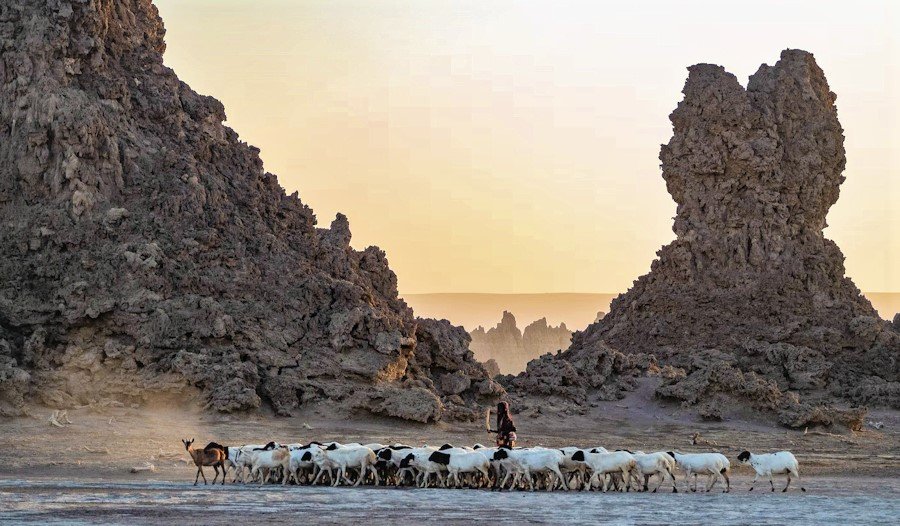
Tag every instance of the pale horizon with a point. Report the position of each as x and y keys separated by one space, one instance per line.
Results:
x=512 y=147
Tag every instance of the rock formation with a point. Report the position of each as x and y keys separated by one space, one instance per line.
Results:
x=144 y=250
x=511 y=348
x=750 y=301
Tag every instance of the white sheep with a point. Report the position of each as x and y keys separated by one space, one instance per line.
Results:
x=461 y=462
x=768 y=464
x=602 y=464
x=262 y=462
x=527 y=462
x=418 y=459
x=660 y=464
x=344 y=458
x=713 y=465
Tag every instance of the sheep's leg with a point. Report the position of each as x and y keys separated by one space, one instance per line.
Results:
x=662 y=478
x=590 y=482
x=202 y=474
x=711 y=480
x=198 y=476
x=771 y=481
x=727 y=483
x=626 y=481
x=687 y=480
x=674 y=485
x=753 y=482
x=562 y=479
x=377 y=478
x=223 y=474
x=317 y=477
x=796 y=474
x=786 y=486
x=362 y=475
x=502 y=484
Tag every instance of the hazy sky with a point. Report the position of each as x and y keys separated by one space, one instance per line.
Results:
x=512 y=146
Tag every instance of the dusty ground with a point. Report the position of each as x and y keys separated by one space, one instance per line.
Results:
x=106 y=442
x=79 y=474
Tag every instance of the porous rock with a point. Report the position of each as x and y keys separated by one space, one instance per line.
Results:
x=751 y=299
x=144 y=249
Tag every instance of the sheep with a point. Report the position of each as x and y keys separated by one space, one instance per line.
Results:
x=528 y=461
x=768 y=464
x=242 y=458
x=602 y=464
x=418 y=458
x=712 y=464
x=344 y=458
x=660 y=464
x=575 y=469
x=301 y=459
x=214 y=457
x=392 y=457
x=461 y=462
x=263 y=461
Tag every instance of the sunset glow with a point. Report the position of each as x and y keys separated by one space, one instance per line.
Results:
x=512 y=146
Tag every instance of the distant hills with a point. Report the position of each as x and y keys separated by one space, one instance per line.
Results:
x=576 y=310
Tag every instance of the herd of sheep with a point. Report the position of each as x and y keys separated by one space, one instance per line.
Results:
x=478 y=466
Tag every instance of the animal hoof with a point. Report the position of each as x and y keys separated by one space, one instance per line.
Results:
x=803 y=490
x=784 y=490
x=674 y=490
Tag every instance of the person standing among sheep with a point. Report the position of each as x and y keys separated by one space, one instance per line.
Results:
x=506 y=428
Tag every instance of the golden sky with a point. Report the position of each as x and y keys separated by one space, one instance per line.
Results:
x=512 y=146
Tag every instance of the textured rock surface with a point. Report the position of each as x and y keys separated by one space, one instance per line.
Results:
x=144 y=250
x=511 y=349
x=750 y=300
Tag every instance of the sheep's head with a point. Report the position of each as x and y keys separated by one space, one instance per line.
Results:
x=187 y=443
x=405 y=462
x=744 y=457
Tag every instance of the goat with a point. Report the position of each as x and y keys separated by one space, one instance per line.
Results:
x=768 y=464
x=214 y=457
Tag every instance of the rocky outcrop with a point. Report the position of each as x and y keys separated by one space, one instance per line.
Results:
x=511 y=348
x=144 y=250
x=750 y=301
x=539 y=338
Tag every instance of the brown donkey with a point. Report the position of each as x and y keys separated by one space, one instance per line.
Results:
x=206 y=457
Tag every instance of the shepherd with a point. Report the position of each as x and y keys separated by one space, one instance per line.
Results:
x=506 y=428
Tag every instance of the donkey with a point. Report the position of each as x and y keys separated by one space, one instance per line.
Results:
x=214 y=457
